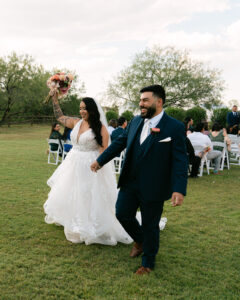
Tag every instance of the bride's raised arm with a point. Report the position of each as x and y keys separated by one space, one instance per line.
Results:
x=64 y=120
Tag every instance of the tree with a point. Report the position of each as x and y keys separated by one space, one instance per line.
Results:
x=220 y=116
x=128 y=115
x=198 y=114
x=176 y=112
x=19 y=84
x=187 y=82
x=111 y=114
x=233 y=102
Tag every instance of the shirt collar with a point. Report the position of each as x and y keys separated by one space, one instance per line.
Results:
x=155 y=120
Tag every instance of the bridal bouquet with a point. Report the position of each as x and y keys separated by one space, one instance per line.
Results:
x=60 y=83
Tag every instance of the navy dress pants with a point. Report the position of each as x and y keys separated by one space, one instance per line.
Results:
x=128 y=202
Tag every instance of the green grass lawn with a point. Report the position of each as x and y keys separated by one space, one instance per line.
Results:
x=199 y=252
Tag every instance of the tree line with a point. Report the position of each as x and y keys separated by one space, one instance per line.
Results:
x=188 y=84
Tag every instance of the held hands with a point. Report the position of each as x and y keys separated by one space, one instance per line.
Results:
x=95 y=166
x=177 y=199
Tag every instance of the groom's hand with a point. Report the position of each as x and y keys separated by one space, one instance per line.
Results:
x=95 y=166
x=177 y=199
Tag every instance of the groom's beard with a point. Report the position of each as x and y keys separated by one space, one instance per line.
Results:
x=149 y=113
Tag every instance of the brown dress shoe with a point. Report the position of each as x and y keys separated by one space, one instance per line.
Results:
x=143 y=270
x=136 y=250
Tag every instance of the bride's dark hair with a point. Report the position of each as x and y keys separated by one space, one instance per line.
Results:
x=94 y=118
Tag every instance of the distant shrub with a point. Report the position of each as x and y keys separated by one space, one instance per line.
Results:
x=111 y=114
x=220 y=116
x=197 y=113
x=176 y=112
x=128 y=115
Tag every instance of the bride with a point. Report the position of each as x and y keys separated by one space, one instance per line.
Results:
x=81 y=201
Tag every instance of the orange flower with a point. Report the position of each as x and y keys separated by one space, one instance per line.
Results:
x=55 y=77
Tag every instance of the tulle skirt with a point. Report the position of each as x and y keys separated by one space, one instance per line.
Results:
x=83 y=202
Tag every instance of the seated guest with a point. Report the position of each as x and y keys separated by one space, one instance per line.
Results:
x=206 y=129
x=193 y=159
x=189 y=122
x=112 y=125
x=197 y=138
x=55 y=134
x=122 y=124
x=67 y=139
x=219 y=135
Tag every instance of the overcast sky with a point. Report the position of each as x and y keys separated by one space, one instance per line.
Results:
x=98 y=38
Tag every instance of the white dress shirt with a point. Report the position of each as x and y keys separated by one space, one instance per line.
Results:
x=200 y=139
x=110 y=129
x=154 y=121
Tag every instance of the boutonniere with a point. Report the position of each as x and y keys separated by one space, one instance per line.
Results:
x=154 y=130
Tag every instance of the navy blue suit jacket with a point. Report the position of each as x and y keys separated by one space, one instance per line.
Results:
x=163 y=167
x=116 y=132
x=233 y=120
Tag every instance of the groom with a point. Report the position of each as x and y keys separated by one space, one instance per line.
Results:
x=154 y=170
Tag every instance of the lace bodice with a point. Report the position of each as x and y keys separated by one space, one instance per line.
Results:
x=86 y=141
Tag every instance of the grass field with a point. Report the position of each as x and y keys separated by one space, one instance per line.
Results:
x=199 y=253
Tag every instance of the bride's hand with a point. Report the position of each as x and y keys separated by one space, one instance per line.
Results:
x=53 y=94
x=95 y=166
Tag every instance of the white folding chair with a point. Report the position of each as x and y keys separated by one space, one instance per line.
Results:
x=118 y=162
x=234 y=138
x=54 y=154
x=235 y=155
x=204 y=160
x=235 y=149
x=224 y=154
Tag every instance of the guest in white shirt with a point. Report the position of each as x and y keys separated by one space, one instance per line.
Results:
x=197 y=138
x=112 y=125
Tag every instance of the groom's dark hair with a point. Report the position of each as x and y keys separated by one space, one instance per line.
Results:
x=157 y=90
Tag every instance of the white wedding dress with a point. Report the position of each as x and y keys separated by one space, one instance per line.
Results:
x=83 y=201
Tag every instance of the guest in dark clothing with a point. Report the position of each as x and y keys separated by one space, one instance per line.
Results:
x=55 y=134
x=66 y=137
x=188 y=121
x=193 y=159
x=122 y=124
x=233 y=117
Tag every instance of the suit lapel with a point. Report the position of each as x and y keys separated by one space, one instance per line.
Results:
x=134 y=132
x=150 y=139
